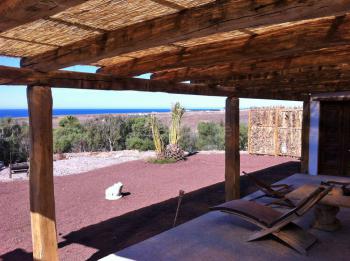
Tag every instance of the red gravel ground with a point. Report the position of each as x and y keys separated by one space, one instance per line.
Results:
x=91 y=227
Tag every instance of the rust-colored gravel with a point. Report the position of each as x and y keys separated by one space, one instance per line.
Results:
x=90 y=227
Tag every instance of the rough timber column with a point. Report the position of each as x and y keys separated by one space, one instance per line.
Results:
x=42 y=202
x=305 y=137
x=232 y=157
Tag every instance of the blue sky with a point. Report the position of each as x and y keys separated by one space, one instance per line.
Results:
x=14 y=97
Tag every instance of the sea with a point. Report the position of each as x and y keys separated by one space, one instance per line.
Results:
x=20 y=113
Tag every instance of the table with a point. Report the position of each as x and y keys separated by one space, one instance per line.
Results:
x=327 y=209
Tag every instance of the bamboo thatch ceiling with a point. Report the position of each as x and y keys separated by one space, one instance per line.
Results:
x=226 y=41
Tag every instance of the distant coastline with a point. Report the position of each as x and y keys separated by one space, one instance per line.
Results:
x=23 y=113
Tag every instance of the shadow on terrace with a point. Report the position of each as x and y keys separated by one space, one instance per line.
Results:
x=119 y=232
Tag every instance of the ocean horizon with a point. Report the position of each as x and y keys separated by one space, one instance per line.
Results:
x=19 y=113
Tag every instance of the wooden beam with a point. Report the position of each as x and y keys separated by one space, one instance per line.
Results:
x=76 y=80
x=325 y=57
x=265 y=90
x=262 y=43
x=211 y=18
x=329 y=96
x=305 y=137
x=298 y=86
x=285 y=88
x=310 y=75
x=280 y=90
x=17 y=12
x=232 y=157
x=42 y=200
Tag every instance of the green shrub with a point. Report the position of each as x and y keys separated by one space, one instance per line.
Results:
x=136 y=143
x=70 y=136
x=69 y=121
x=106 y=133
x=211 y=136
x=139 y=134
x=188 y=139
x=94 y=138
x=243 y=137
x=14 y=141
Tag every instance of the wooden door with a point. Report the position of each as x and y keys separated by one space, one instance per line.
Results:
x=334 y=154
x=346 y=155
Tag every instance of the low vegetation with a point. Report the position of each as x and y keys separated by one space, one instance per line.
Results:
x=106 y=133
x=111 y=133
x=14 y=141
x=211 y=136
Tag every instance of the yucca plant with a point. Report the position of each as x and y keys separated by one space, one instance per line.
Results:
x=176 y=115
x=173 y=151
x=157 y=139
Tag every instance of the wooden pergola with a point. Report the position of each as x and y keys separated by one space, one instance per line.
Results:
x=273 y=49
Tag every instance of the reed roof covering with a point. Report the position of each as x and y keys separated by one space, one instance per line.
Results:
x=225 y=41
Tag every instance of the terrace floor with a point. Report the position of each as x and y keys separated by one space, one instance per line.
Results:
x=90 y=227
x=221 y=236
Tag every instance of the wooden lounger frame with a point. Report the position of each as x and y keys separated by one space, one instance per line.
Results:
x=276 y=223
x=277 y=191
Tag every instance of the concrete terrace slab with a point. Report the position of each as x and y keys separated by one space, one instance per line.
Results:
x=220 y=236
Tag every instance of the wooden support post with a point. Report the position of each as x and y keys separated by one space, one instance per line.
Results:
x=42 y=202
x=305 y=137
x=232 y=157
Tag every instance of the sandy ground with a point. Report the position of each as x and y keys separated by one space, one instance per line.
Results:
x=76 y=163
x=90 y=227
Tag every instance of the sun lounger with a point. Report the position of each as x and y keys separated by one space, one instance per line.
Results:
x=277 y=191
x=277 y=223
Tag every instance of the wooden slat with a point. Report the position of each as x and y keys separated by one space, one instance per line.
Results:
x=42 y=201
x=299 y=86
x=301 y=81
x=305 y=137
x=17 y=12
x=298 y=75
x=325 y=57
x=232 y=157
x=170 y=4
x=215 y=17
x=262 y=43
